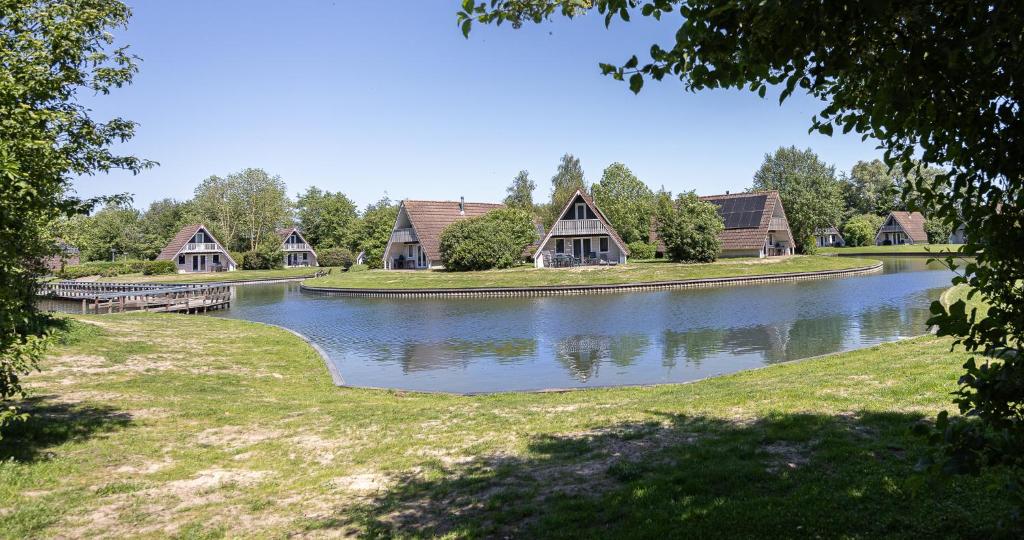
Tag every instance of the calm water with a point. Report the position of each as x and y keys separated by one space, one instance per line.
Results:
x=485 y=345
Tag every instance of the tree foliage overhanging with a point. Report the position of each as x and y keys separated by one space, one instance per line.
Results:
x=939 y=81
x=50 y=53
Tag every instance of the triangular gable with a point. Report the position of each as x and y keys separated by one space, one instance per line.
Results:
x=173 y=249
x=284 y=234
x=579 y=194
x=911 y=223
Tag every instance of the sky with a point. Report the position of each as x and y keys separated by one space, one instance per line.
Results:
x=396 y=101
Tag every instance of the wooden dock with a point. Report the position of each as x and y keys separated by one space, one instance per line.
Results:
x=120 y=297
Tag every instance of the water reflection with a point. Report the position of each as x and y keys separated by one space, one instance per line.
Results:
x=511 y=344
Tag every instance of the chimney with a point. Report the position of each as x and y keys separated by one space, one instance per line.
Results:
x=462 y=206
x=727 y=192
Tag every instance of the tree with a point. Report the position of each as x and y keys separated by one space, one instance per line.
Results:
x=567 y=179
x=808 y=188
x=874 y=188
x=938 y=230
x=113 y=232
x=884 y=73
x=264 y=202
x=861 y=230
x=244 y=208
x=327 y=219
x=689 y=227
x=626 y=201
x=50 y=53
x=494 y=240
x=158 y=225
x=520 y=192
x=216 y=204
x=373 y=230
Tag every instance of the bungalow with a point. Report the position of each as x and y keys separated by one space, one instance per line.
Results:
x=194 y=249
x=580 y=235
x=297 y=252
x=755 y=224
x=828 y=237
x=416 y=236
x=68 y=255
x=902 y=227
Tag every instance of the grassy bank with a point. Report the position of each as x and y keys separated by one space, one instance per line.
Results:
x=882 y=250
x=634 y=272
x=237 y=275
x=171 y=425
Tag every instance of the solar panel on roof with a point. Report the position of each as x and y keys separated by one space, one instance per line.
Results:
x=742 y=212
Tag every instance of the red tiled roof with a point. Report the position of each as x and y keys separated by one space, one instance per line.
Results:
x=184 y=235
x=912 y=223
x=430 y=218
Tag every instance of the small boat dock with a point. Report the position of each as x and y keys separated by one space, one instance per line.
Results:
x=100 y=297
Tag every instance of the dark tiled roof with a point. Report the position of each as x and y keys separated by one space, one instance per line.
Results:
x=753 y=237
x=430 y=218
x=828 y=230
x=912 y=223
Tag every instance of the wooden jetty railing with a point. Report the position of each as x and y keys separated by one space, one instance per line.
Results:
x=119 y=297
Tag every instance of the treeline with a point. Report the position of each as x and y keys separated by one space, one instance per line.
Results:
x=814 y=195
x=243 y=211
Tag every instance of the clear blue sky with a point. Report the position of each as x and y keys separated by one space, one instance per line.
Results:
x=394 y=99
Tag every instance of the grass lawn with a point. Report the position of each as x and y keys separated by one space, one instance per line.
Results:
x=882 y=250
x=634 y=272
x=237 y=275
x=189 y=426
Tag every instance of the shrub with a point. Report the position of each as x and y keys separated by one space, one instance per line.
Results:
x=358 y=268
x=640 y=250
x=337 y=256
x=494 y=240
x=236 y=256
x=153 y=268
x=938 y=231
x=860 y=230
x=100 y=268
x=267 y=257
x=690 y=228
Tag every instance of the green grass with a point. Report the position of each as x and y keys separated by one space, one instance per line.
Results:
x=173 y=425
x=634 y=272
x=882 y=250
x=237 y=275
x=961 y=292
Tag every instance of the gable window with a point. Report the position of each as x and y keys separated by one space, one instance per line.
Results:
x=181 y=259
x=581 y=211
x=604 y=244
x=559 y=246
x=200 y=238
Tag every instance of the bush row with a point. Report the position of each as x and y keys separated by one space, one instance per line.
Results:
x=337 y=256
x=494 y=240
x=642 y=251
x=116 y=268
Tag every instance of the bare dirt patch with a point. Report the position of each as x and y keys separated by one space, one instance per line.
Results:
x=235 y=437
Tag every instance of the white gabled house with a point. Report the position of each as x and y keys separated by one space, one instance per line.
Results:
x=902 y=227
x=581 y=235
x=297 y=252
x=195 y=250
x=416 y=236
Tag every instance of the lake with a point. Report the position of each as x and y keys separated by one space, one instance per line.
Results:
x=488 y=345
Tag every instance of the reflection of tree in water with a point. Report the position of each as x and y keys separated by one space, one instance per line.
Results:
x=814 y=336
x=459 y=353
x=582 y=355
x=888 y=321
x=695 y=346
x=262 y=295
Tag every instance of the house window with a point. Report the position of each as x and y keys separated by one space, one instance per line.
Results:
x=305 y=256
x=181 y=259
x=559 y=246
x=216 y=258
x=604 y=245
x=581 y=211
x=200 y=238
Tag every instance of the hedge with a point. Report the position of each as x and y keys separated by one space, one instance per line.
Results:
x=640 y=250
x=116 y=268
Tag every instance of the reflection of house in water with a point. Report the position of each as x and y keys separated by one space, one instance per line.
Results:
x=581 y=355
x=774 y=343
x=416 y=357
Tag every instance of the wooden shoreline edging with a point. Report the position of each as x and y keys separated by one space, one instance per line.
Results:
x=572 y=290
